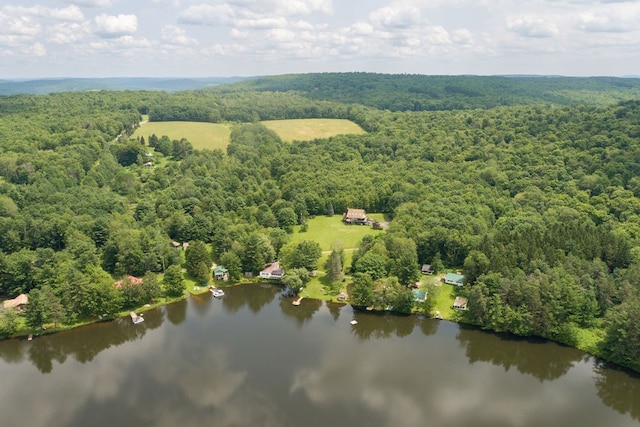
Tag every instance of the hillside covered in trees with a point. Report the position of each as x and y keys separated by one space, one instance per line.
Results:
x=536 y=200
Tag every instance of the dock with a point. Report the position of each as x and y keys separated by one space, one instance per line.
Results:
x=297 y=301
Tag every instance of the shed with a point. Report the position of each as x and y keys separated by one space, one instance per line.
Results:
x=419 y=295
x=426 y=269
x=454 y=279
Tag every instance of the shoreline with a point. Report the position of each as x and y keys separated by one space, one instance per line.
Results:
x=191 y=291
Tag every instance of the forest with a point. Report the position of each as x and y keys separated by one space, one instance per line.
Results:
x=534 y=198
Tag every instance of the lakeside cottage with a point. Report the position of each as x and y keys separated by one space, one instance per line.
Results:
x=220 y=273
x=460 y=303
x=272 y=271
x=132 y=279
x=454 y=279
x=17 y=302
x=355 y=216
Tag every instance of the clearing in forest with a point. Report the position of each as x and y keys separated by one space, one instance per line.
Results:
x=309 y=129
x=327 y=229
x=203 y=136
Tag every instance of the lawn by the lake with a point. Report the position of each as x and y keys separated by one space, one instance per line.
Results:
x=326 y=230
x=309 y=129
x=207 y=136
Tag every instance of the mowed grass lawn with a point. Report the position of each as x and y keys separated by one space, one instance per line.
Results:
x=207 y=136
x=308 y=129
x=327 y=229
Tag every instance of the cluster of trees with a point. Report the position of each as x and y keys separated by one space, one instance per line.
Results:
x=538 y=204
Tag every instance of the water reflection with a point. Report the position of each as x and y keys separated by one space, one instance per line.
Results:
x=618 y=389
x=382 y=325
x=253 y=296
x=256 y=365
x=301 y=313
x=81 y=344
x=542 y=359
x=177 y=312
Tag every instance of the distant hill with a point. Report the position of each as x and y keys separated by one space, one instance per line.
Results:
x=43 y=86
x=407 y=92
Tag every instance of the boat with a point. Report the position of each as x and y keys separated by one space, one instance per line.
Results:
x=217 y=292
x=135 y=318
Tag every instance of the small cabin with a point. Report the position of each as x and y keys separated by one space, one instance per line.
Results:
x=426 y=269
x=454 y=279
x=460 y=303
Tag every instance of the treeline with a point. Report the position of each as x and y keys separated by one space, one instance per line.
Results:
x=411 y=92
x=539 y=205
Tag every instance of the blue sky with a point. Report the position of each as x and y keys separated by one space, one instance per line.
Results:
x=197 y=38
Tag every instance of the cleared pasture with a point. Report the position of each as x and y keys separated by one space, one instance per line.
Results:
x=327 y=229
x=308 y=129
x=207 y=136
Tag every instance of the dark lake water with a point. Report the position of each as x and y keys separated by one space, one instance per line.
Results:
x=253 y=359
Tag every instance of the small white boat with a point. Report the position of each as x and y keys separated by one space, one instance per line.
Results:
x=217 y=292
x=135 y=318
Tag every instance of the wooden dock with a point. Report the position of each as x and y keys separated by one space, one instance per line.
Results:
x=297 y=301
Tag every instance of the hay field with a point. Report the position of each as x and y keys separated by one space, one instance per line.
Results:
x=201 y=135
x=309 y=129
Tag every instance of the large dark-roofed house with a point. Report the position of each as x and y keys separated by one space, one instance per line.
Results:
x=355 y=216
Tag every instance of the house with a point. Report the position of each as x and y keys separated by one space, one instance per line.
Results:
x=460 y=303
x=419 y=295
x=185 y=245
x=18 y=301
x=132 y=279
x=355 y=216
x=426 y=269
x=272 y=271
x=454 y=279
x=220 y=273
x=175 y=244
x=148 y=164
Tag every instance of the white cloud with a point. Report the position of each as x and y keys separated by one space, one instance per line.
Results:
x=396 y=17
x=262 y=23
x=90 y=3
x=205 y=14
x=116 y=25
x=68 y=33
x=532 y=26
x=175 y=35
x=614 y=19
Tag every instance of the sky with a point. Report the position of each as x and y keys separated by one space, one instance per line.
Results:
x=207 y=38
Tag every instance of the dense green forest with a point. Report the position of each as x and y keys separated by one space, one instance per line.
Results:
x=536 y=200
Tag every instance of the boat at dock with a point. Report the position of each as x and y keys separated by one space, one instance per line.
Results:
x=135 y=318
x=217 y=292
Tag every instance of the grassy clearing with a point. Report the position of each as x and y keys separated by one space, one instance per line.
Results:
x=308 y=129
x=207 y=136
x=327 y=229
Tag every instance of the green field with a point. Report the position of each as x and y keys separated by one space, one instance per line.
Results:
x=327 y=229
x=308 y=129
x=201 y=135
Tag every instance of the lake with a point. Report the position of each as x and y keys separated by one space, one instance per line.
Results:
x=254 y=359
